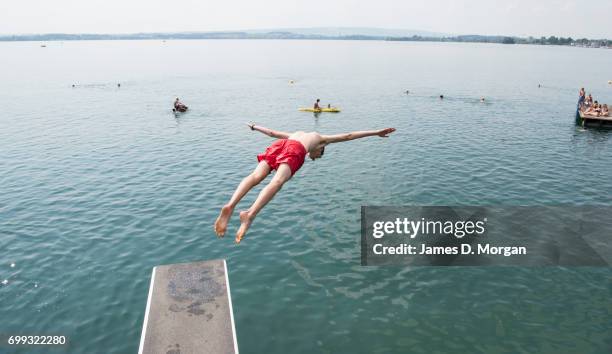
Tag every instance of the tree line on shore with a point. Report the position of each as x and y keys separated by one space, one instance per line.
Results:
x=552 y=40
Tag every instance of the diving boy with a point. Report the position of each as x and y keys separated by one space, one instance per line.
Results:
x=286 y=155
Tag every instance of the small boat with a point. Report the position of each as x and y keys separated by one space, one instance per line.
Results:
x=327 y=110
x=588 y=120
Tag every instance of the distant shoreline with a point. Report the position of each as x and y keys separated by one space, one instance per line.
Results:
x=552 y=40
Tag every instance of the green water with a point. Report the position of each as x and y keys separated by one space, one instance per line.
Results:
x=100 y=184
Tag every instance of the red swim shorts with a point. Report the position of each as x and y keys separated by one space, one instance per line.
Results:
x=288 y=151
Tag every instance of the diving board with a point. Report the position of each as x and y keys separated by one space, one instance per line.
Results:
x=189 y=310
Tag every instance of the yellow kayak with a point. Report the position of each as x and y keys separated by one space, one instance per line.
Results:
x=330 y=110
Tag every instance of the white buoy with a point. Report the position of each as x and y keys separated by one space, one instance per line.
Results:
x=35 y=285
x=4 y=282
x=12 y=265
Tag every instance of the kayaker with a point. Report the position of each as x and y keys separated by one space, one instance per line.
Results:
x=286 y=155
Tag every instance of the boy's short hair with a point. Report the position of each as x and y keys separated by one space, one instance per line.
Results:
x=322 y=151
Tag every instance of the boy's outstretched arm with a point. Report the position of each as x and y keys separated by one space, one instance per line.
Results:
x=269 y=132
x=338 y=138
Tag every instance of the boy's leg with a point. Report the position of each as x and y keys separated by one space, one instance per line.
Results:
x=283 y=174
x=261 y=171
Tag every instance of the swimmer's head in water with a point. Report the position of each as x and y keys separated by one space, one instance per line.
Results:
x=316 y=153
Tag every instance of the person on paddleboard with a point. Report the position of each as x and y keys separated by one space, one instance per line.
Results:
x=286 y=155
x=316 y=105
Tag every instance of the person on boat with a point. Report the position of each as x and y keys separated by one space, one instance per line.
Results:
x=581 y=97
x=593 y=110
x=286 y=155
x=589 y=100
x=179 y=106
x=316 y=105
x=597 y=108
x=604 y=111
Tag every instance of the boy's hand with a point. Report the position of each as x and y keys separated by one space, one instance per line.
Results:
x=383 y=133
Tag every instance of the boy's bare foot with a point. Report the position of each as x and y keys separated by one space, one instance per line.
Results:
x=222 y=220
x=245 y=222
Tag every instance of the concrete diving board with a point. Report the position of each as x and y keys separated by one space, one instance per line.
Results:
x=189 y=310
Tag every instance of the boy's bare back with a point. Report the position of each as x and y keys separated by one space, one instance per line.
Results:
x=310 y=140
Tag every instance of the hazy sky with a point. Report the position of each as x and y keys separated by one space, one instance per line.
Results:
x=511 y=17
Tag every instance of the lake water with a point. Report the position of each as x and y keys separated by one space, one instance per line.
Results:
x=99 y=184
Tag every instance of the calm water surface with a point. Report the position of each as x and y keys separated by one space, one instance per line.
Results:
x=99 y=184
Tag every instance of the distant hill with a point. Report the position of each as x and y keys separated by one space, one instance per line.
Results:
x=351 y=31
x=358 y=33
